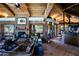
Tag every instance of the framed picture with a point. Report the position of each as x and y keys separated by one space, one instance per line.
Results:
x=21 y=20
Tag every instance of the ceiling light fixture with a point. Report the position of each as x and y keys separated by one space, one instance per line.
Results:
x=17 y=5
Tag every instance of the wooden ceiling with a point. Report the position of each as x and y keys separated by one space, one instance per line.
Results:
x=4 y=11
x=23 y=9
x=41 y=10
x=70 y=9
x=36 y=9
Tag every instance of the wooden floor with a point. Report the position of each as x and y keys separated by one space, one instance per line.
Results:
x=55 y=49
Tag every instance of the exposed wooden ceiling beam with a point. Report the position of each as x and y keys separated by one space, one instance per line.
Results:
x=68 y=14
x=9 y=8
x=70 y=23
x=28 y=10
x=57 y=12
x=59 y=17
x=70 y=7
x=48 y=9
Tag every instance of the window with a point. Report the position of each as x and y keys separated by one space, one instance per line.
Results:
x=39 y=28
x=9 y=28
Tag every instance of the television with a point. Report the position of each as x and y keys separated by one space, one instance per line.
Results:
x=21 y=20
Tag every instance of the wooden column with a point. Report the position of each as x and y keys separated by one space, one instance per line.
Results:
x=69 y=20
x=56 y=27
x=45 y=28
x=30 y=28
x=2 y=29
x=64 y=21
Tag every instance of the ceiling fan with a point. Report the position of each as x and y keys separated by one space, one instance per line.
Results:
x=17 y=5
